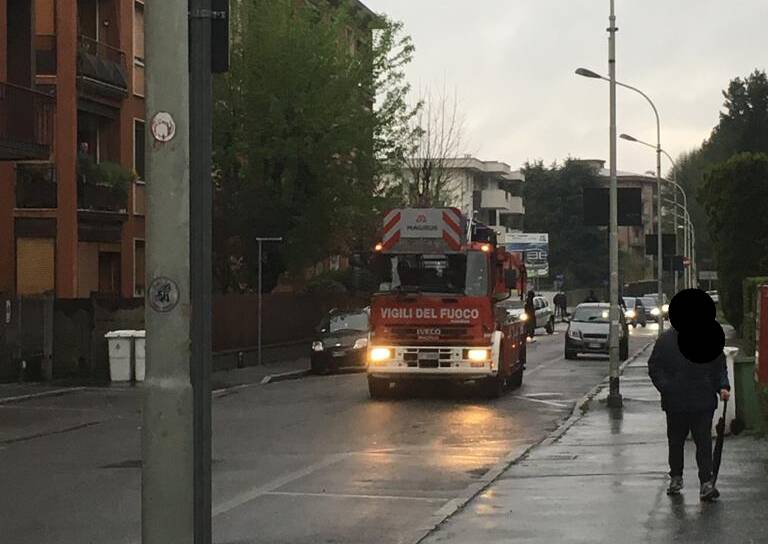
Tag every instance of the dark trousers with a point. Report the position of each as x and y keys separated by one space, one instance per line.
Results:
x=699 y=424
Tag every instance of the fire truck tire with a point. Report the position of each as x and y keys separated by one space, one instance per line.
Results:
x=493 y=387
x=378 y=388
x=516 y=380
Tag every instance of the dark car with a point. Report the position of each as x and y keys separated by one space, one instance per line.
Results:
x=635 y=311
x=341 y=341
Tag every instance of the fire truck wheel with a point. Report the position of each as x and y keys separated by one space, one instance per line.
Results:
x=493 y=387
x=378 y=388
x=516 y=380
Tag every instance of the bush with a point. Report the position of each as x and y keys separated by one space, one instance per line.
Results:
x=114 y=176
x=750 y=312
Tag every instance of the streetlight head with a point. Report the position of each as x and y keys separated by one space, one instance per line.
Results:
x=588 y=73
x=628 y=138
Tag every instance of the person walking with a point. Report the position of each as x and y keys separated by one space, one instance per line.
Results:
x=557 y=303
x=592 y=297
x=688 y=368
x=564 y=302
x=530 y=310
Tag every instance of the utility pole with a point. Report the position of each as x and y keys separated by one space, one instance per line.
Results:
x=167 y=446
x=660 y=283
x=614 y=395
x=261 y=241
x=201 y=258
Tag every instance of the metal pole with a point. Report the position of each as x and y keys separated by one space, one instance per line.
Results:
x=660 y=272
x=201 y=258
x=261 y=362
x=614 y=395
x=677 y=244
x=167 y=512
x=261 y=241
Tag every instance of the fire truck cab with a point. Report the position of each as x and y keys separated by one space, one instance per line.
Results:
x=435 y=315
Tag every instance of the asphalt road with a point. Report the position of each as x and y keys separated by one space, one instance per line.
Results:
x=308 y=461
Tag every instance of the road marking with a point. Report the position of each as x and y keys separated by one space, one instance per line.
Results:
x=543 y=365
x=255 y=493
x=54 y=393
x=356 y=496
x=542 y=401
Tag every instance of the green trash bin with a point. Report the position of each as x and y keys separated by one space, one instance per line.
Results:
x=747 y=404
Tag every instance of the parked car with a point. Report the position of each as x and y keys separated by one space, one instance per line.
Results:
x=588 y=331
x=714 y=296
x=545 y=315
x=341 y=341
x=635 y=312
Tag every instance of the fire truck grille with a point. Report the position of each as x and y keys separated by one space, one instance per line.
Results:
x=428 y=357
x=434 y=335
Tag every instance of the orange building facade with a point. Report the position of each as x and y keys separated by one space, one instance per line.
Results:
x=72 y=132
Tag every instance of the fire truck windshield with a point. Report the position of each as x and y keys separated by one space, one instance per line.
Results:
x=465 y=274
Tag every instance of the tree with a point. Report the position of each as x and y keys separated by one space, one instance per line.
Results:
x=553 y=202
x=438 y=131
x=312 y=107
x=738 y=230
x=743 y=126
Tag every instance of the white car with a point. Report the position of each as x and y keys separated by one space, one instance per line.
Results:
x=714 y=296
x=545 y=315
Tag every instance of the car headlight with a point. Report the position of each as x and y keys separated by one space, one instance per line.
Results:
x=655 y=312
x=574 y=334
x=380 y=354
x=478 y=355
x=523 y=316
x=360 y=343
x=630 y=314
x=317 y=346
x=665 y=308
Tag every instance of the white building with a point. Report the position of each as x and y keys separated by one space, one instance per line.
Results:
x=489 y=191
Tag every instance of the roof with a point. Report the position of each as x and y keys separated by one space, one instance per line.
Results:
x=497 y=168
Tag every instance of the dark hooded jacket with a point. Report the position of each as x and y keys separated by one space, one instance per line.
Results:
x=685 y=386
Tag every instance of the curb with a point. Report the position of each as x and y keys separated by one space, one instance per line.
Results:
x=42 y=394
x=458 y=503
x=285 y=376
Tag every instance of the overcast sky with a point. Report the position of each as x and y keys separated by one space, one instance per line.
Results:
x=512 y=63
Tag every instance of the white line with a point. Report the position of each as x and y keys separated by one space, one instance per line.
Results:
x=257 y=492
x=42 y=394
x=355 y=496
x=547 y=402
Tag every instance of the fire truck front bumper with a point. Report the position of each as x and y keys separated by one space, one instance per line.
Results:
x=464 y=363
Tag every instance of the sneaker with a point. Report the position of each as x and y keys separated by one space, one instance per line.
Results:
x=708 y=492
x=675 y=485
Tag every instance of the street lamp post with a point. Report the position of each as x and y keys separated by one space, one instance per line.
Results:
x=594 y=75
x=688 y=227
x=614 y=394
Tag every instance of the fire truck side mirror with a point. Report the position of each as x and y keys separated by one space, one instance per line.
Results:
x=510 y=279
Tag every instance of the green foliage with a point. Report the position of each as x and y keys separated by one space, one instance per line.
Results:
x=107 y=174
x=303 y=125
x=739 y=231
x=743 y=126
x=749 y=292
x=554 y=204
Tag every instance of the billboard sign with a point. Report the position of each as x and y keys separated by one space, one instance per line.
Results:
x=535 y=250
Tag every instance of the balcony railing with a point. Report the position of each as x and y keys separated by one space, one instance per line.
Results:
x=103 y=65
x=26 y=123
x=100 y=198
x=35 y=185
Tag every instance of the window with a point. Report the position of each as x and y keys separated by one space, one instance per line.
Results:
x=138 y=48
x=139 y=159
x=139 y=267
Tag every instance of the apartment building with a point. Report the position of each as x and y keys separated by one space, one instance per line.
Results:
x=489 y=191
x=72 y=132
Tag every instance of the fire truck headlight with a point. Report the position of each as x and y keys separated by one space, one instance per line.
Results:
x=317 y=346
x=380 y=354
x=478 y=355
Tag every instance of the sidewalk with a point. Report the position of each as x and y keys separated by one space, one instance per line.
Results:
x=604 y=481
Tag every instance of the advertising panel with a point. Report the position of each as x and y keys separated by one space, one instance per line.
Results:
x=535 y=249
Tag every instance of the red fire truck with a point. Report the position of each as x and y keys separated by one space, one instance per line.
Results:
x=438 y=313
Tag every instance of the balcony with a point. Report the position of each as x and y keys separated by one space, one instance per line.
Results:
x=26 y=123
x=101 y=69
x=36 y=186
x=496 y=199
x=103 y=187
